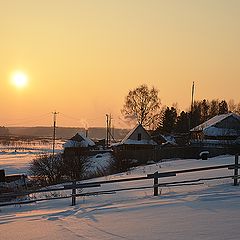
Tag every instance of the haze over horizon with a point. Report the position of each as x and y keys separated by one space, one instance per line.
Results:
x=81 y=57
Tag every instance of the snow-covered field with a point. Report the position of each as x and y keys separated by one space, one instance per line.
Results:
x=207 y=211
x=16 y=159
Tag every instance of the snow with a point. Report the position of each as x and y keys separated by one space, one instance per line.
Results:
x=215 y=131
x=203 y=153
x=132 y=137
x=207 y=211
x=169 y=139
x=15 y=163
x=15 y=160
x=79 y=140
x=99 y=162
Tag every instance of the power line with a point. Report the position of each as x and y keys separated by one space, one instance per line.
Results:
x=29 y=120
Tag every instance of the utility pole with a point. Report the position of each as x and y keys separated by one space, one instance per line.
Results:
x=192 y=101
x=54 y=130
x=113 y=132
x=192 y=97
x=107 y=129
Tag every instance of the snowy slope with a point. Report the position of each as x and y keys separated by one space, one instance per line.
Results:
x=208 y=211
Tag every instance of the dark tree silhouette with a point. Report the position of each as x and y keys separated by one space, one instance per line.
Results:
x=214 y=108
x=142 y=106
x=204 y=110
x=195 y=114
x=223 y=107
x=169 y=119
x=182 y=124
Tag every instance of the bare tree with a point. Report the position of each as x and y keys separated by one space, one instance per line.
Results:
x=142 y=105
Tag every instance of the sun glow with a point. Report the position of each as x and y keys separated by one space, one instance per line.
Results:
x=19 y=79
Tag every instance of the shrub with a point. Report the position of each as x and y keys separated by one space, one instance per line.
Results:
x=120 y=163
x=47 y=169
x=75 y=167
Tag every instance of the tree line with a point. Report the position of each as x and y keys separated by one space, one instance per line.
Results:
x=142 y=105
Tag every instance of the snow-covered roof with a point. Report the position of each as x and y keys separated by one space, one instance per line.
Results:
x=169 y=139
x=209 y=127
x=79 y=140
x=132 y=137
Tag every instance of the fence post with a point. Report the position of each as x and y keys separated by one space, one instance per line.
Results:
x=73 y=193
x=155 y=183
x=236 y=171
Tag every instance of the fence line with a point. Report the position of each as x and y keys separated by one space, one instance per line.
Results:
x=155 y=185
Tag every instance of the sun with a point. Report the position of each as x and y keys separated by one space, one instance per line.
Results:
x=19 y=79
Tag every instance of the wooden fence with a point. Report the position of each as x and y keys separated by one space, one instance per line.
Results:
x=155 y=176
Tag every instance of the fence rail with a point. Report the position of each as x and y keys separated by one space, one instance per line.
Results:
x=155 y=176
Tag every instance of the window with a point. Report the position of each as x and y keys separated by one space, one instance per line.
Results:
x=139 y=136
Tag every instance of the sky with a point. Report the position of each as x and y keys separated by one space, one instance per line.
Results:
x=82 y=57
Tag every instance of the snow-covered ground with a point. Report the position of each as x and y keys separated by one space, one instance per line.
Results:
x=15 y=159
x=207 y=211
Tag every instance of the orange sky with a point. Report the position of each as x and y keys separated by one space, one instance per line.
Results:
x=82 y=57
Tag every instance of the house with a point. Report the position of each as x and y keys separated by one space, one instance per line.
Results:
x=79 y=140
x=222 y=129
x=137 y=144
x=137 y=138
x=78 y=144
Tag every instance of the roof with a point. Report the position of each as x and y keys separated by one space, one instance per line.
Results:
x=209 y=127
x=131 y=137
x=79 y=140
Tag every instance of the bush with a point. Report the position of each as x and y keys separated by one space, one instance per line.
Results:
x=120 y=163
x=75 y=167
x=48 y=170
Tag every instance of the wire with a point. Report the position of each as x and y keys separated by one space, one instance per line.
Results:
x=30 y=120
